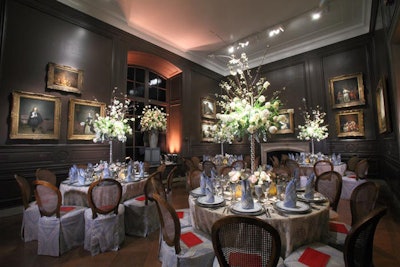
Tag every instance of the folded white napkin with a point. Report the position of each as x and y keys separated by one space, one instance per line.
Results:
x=290 y=195
x=309 y=190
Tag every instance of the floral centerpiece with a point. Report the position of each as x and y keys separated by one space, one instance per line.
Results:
x=153 y=120
x=221 y=133
x=244 y=107
x=313 y=128
x=115 y=125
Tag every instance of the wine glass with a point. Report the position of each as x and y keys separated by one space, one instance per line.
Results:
x=258 y=190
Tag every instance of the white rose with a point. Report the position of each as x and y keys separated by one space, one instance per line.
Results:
x=273 y=129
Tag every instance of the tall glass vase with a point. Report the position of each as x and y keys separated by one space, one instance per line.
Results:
x=222 y=148
x=246 y=200
x=312 y=146
x=252 y=152
x=110 y=142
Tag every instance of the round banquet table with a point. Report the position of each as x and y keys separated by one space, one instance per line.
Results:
x=307 y=169
x=75 y=194
x=295 y=230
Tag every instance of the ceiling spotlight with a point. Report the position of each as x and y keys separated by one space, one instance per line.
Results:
x=276 y=31
x=231 y=49
x=316 y=15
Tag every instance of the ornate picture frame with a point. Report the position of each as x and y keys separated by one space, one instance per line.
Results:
x=64 y=78
x=208 y=108
x=350 y=123
x=81 y=116
x=205 y=130
x=347 y=90
x=288 y=124
x=382 y=107
x=35 y=116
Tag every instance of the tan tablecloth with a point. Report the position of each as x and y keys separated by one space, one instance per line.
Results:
x=77 y=195
x=294 y=230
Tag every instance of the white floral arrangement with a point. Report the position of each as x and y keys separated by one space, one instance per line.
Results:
x=245 y=109
x=114 y=125
x=153 y=118
x=221 y=133
x=260 y=177
x=313 y=128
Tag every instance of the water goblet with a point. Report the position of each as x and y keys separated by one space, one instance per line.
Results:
x=258 y=190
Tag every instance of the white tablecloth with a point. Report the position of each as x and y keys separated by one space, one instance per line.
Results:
x=295 y=230
x=306 y=169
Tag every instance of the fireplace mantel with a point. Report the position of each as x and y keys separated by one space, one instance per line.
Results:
x=282 y=146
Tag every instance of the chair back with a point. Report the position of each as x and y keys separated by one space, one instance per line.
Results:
x=352 y=163
x=291 y=165
x=196 y=161
x=46 y=175
x=208 y=167
x=330 y=185
x=239 y=165
x=245 y=241
x=170 y=178
x=48 y=198
x=225 y=170
x=322 y=166
x=25 y=190
x=170 y=226
x=363 y=200
x=154 y=185
x=194 y=179
x=162 y=168
x=362 y=169
x=358 y=251
x=104 y=196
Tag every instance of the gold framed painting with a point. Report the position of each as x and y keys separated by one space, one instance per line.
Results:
x=206 y=134
x=347 y=91
x=35 y=116
x=287 y=125
x=382 y=106
x=208 y=108
x=350 y=123
x=82 y=114
x=64 y=78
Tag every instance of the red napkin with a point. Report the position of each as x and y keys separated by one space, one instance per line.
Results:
x=66 y=208
x=338 y=227
x=314 y=258
x=141 y=198
x=106 y=207
x=352 y=176
x=244 y=259
x=180 y=214
x=190 y=239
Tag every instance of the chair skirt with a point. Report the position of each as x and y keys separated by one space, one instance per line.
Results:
x=105 y=233
x=199 y=255
x=140 y=219
x=30 y=219
x=58 y=235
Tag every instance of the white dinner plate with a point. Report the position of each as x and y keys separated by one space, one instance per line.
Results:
x=317 y=198
x=217 y=200
x=197 y=192
x=300 y=207
x=238 y=207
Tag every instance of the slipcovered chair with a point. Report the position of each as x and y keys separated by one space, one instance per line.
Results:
x=245 y=241
x=358 y=249
x=362 y=202
x=141 y=217
x=181 y=246
x=46 y=175
x=60 y=228
x=329 y=184
x=104 y=221
x=170 y=180
x=322 y=166
x=30 y=215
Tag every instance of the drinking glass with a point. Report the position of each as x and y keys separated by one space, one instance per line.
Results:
x=258 y=190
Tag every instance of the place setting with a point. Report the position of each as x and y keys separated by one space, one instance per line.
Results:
x=290 y=205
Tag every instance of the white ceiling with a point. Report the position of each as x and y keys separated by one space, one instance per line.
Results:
x=202 y=30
